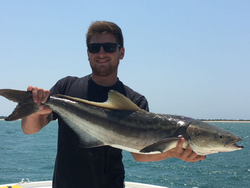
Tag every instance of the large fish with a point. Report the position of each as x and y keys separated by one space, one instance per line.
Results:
x=120 y=123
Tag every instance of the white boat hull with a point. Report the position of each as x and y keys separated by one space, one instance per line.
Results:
x=48 y=184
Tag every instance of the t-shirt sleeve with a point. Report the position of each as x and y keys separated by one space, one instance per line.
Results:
x=58 y=88
x=142 y=103
x=137 y=98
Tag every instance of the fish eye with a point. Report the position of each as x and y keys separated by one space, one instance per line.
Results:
x=221 y=136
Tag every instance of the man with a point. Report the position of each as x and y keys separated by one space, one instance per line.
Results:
x=99 y=167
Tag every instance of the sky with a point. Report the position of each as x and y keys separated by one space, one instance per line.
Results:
x=189 y=58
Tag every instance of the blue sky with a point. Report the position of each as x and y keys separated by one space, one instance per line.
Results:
x=188 y=58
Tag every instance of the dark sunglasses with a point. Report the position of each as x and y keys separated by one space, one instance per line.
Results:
x=108 y=47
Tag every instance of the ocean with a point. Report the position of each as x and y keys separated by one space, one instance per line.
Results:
x=33 y=157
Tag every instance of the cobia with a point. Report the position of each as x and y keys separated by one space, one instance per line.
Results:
x=120 y=123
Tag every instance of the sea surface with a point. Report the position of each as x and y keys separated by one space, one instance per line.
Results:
x=33 y=157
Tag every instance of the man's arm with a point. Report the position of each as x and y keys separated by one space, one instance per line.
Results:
x=187 y=154
x=35 y=122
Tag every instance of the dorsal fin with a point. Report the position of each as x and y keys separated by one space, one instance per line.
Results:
x=115 y=101
x=120 y=102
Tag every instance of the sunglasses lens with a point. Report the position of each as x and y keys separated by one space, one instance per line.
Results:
x=108 y=47
x=94 y=48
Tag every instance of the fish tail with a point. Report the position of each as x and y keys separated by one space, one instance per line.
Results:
x=26 y=106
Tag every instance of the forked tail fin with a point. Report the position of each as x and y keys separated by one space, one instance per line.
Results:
x=26 y=105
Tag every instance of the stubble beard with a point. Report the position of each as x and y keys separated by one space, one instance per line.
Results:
x=104 y=70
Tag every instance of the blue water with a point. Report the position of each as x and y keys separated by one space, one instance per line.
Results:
x=33 y=157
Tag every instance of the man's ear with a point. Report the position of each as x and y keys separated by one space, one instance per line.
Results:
x=122 y=53
x=88 y=53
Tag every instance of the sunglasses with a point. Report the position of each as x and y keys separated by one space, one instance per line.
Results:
x=108 y=47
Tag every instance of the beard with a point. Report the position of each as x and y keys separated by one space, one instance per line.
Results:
x=104 y=70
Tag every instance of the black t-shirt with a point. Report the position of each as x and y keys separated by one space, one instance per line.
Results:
x=78 y=167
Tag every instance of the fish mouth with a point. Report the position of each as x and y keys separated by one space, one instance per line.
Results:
x=233 y=143
x=239 y=147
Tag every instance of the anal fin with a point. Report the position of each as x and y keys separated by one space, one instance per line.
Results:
x=86 y=140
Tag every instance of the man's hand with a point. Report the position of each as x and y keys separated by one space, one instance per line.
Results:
x=187 y=154
x=40 y=96
x=35 y=122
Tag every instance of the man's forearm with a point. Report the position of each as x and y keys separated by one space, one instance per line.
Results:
x=35 y=122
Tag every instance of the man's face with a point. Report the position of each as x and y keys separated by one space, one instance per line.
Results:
x=103 y=63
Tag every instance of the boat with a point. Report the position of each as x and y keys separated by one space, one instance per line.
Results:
x=48 y=184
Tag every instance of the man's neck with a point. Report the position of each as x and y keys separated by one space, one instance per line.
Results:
x=105 y=80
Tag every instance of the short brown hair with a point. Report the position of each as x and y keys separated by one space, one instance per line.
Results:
x=100 y=27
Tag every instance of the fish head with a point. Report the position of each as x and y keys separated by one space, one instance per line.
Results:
x=206 y=139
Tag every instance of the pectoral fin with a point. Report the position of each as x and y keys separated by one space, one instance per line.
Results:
x=161 y=146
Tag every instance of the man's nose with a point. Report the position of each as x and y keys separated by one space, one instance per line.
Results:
x=102 y=51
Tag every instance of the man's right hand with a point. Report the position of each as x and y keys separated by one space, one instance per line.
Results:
x=35 y=122
x=40 y=96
